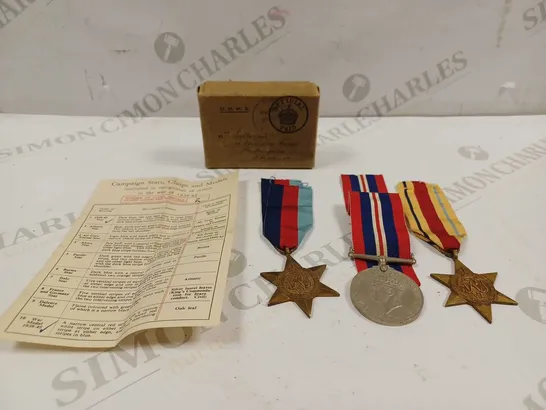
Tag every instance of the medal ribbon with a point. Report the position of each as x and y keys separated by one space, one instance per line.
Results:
x=430 y=216
x=287 y=212
x=377 y=221
x=361 y=183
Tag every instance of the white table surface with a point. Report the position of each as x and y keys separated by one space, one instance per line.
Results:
x=274 y=357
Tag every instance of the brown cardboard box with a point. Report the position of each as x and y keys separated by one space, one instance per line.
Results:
x=259 y=124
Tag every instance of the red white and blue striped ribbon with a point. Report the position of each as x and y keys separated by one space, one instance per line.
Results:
x=361 y=183
x=377 y=221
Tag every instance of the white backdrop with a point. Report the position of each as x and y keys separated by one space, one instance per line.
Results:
x=274 y=358
x=369 y=57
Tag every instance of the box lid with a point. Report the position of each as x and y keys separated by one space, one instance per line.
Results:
x=258 y=88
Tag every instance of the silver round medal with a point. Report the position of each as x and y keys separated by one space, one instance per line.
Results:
x=386 y=297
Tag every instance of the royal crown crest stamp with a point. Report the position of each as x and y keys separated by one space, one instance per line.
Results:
x=288 y=114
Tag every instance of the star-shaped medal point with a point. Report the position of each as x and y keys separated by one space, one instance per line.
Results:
x=474 y=289
x=298 y=284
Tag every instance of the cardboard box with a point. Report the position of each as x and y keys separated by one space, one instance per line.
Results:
x=259 y=124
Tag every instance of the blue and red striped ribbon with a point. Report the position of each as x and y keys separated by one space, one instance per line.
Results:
x=287 y=212
x=377 y=221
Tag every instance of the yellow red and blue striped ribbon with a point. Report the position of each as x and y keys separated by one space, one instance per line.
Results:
x=430 y=215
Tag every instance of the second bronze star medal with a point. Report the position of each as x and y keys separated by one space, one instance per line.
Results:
x=386 y=289
x=432 y=219
x=287 y=215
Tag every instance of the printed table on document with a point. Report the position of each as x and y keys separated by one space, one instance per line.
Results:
x=130 y=264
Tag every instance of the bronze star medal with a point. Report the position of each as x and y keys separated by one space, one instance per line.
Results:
x=474 y=289
x=431 y=218
x=298 y=284
x=287 y=215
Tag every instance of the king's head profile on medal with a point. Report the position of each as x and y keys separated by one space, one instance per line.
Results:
x=386 y=289
x=388 y=294
x=287 y=215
